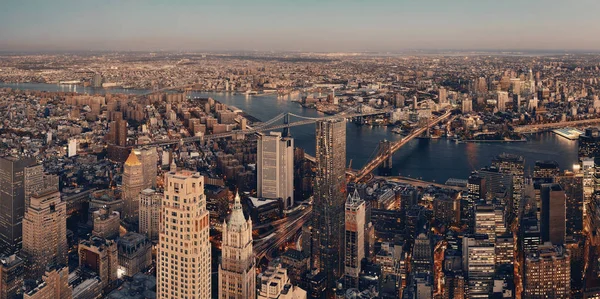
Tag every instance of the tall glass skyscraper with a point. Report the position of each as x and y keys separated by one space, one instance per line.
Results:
x=329 y=199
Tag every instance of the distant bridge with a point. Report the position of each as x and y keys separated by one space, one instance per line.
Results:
x=270 y=125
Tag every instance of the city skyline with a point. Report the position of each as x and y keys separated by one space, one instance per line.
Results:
x=329 y=26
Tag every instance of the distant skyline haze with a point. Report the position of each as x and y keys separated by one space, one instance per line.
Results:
x=308 y=25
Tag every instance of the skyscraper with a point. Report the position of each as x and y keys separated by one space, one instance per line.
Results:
x=275 y=168
x=547 y=273
x=237 y=273
x=149 y=159
x=572 y=184
x=553 y=214
x=422 y=255
x=132 y=185
x=515 y=166
x=329 y=199
x=45 y=233
x=34 y=181
x=502 y=99
x=184 y=249
x=150 y=213
x=485 y=221
x=354 y=239
x=479 y=265
x=12 y=200
x=546 y=170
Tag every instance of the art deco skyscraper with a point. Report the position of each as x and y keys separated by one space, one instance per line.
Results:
x=133 y=184
x=329 y=199
x=12 y=200
x=45 y=232
x=275 y=168
x=237 y=275
x=354 y=239
x=183 y=247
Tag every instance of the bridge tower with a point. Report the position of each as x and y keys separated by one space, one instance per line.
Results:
x=385 y=148
x=286 y=121
x=360 y=119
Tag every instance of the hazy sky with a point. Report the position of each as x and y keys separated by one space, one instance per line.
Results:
x=308 y=25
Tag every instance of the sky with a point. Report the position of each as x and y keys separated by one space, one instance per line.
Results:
x=299 y=25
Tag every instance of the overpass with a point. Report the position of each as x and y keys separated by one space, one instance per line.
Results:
x=383 y=156
x=549 y=126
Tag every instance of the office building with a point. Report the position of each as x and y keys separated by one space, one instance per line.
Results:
x=183 y=247
x=479 y=259
x=237 y=273
x=589 y=144
x=12 y=200
x=132 y=185
x=34 y=181
x=553 y=214
x=101 y=257
x=572 y=184
x=354 y=239
x=547 y=273
x=150 y=213
x=106 y=223
x=275 y=284
x=485 y=221
x=422 y=255
x=275 y=168
x=505 y=249
x=329 y=199
x=11 y=276
x=502 y=99
x=135 y=254
x=45 y=233
x=54 y=284
x=588 y=169
x=149 y=159
x=515 y=166
x=545 y=170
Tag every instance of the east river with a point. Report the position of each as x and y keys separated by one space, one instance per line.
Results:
x=427 y=159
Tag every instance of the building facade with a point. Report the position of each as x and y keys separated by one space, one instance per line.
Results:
x=329 y=199
x=547 y=273
x=132 y=185
x=184 y=250
x=275 y=168
x=149 y=219
x=45 y=233
x=237 y=273
x=354 y=239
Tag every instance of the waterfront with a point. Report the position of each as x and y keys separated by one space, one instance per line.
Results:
x=432 y=160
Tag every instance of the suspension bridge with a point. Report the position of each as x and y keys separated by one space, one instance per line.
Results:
x=387 y=149
x=272 y=124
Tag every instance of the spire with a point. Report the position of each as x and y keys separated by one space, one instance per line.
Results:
x=132 y=160
x=237 y=215
x=173 y=166
x=354 y=197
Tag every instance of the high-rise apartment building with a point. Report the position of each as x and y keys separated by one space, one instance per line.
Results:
x=184 y=251
x=150 y=213
x=12 y=200
x=502 y=99
x=275 y=168
x=132 y=185
x=45 y=233
x=117 y=133
x=553 y=214
x=479 y=259
x=547 y=273
x=354 y=239
x=237 y=273
x=329 y=199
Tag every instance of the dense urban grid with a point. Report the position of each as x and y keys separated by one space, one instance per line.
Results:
x=138 y=187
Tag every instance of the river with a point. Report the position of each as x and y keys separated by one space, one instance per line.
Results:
x=431 y=160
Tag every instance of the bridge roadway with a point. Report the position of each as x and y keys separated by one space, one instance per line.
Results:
x=261 y=129
x=547 y=126
x=417 y=183
x=397 y=145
